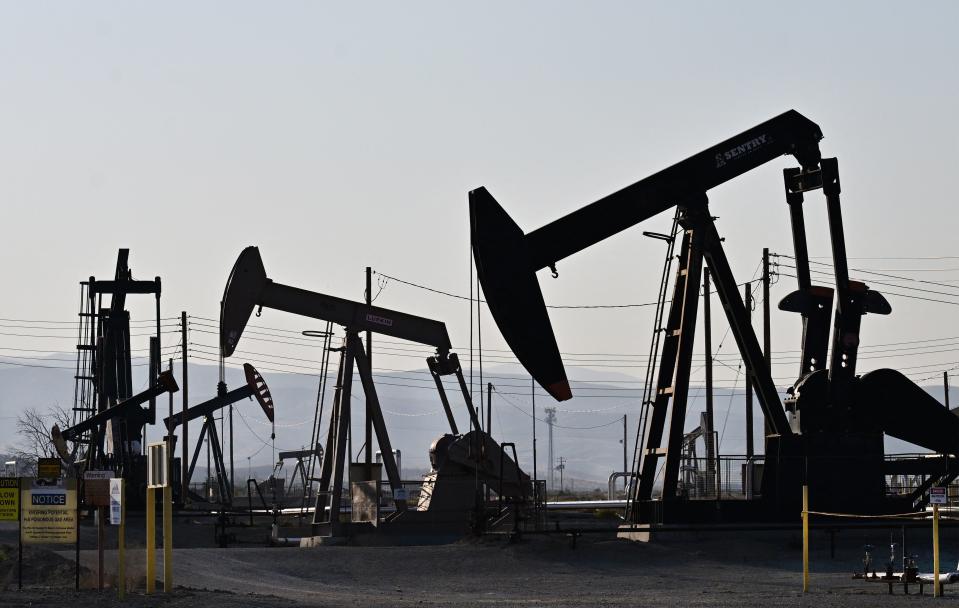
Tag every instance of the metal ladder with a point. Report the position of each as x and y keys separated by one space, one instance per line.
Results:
x=85 y=388
x=650 y=379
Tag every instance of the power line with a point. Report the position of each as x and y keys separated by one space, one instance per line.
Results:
x=934 y=257
x=71 y=367
x=61 y=322
x=893 y=353
x=903 y=295
x=618 y=357
x=618 y=419
x=887 y=284
x=33 y=365
x=553 y=306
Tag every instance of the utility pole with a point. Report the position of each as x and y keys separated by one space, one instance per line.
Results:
x=155 y=366
x=170 y=436
x=479 y=349
x=489 y=422
x=749 y=380
x=232 y=486
x=767 y=330
x=223 y=450
x=489 y=409
x=561 y=467
x=945 y=385
x=550 y=419
x=708 y=327
x=209 y=476
x=158 y=363
x=185 y=390
x=369 y=354
x=532 y=396
x=625 y=470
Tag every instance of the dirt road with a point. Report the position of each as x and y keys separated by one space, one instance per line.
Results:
x=731 y=571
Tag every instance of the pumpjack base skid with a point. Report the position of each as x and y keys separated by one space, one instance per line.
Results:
x=845 y=473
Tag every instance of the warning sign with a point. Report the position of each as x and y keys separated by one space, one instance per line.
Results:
x=937 y=496
x=116 y=501
x=48 y=468
x=48 y=512
x=9 y=487
x=96 y=488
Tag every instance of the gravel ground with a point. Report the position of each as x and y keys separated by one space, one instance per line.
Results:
x=736 y=570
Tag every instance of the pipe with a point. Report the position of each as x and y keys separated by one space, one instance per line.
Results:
x=618 y=475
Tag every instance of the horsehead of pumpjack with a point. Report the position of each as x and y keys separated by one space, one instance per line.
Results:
x=260 y=390
x=243 y=288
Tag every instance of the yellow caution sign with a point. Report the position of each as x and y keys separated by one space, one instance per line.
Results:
x=48 y=512
x=9 y=499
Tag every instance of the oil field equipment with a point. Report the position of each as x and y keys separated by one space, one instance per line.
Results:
x=108 y=420
x=277 y=484
x=464 y=465
x=255 y=387
x=830 y=432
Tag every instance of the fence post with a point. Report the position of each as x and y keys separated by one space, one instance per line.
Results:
x=805 y=539
x=151 y=538
x=121 y=545
x=168 y=538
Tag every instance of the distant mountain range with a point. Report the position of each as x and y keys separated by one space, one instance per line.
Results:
x=588 y=430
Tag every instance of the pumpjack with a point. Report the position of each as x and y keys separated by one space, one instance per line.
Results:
x=108 y=420
x=829 y=432
x=255 y=387
x=464 y=465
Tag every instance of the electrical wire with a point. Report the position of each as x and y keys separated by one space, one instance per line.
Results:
x=555 y=425
x=553 y=306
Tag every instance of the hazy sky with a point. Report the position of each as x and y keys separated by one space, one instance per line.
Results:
x=342 y=135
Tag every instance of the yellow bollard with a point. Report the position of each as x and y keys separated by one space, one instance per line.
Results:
x=167 y=538
x=805 y=539
x=937 y=589
x=121 y=546
x=151 y=538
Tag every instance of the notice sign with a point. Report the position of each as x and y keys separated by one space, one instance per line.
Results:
x=48 y=512
x=937 y=496
x=9 y=503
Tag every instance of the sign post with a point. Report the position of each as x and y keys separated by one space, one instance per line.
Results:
x=96 y=493
x=805 y=539
x=151 y=538
x=158 y=477
x=168 y=538
x=118 y=517
x=19 y=542
x=937 y=496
